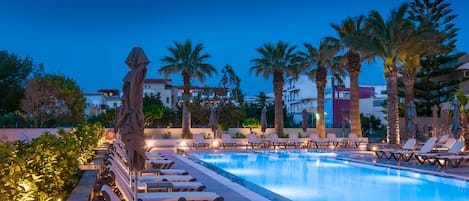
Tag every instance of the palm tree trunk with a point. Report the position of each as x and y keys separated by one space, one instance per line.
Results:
x=186 y=96
x=353 y=69
x=278 y=92
x=355 y=126
x=409 y=81
x=393 y=136
x=320 y=126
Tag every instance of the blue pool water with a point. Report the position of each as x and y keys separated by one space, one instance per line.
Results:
x=321 y=177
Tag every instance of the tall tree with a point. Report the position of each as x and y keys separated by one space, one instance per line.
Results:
x=437 y=16
x=277 y=60
x=53 y=99
x=14 y=72
x=387 y=40
x=324 y=59
x=153 y=109
x=190 y=62
x=349 y=31
x=231 y=108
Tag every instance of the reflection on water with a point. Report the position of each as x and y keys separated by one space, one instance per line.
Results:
x=310 y=176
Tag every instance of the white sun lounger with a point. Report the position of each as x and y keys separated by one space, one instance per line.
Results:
x=454 y=159
x=151 y=170
x=316 y=140
x=171 y=185
x=227 y=140
x=386 y=153
x=455 y=149
x=406 y=155
x=253 y=141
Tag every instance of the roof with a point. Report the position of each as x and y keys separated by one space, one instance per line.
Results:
x=464 y=67
x=157 y=81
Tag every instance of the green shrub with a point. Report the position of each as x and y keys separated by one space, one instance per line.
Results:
x=239 y=135
x=47 y=167
x=166 y=135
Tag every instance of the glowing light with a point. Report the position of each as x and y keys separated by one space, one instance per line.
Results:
x=374 y=148
x=183 y=144
x=346 y=162
x=318 y=162
x=416 y=175
x=215 y=143
x=149 y=143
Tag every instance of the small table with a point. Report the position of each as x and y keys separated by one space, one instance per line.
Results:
x=159 y=186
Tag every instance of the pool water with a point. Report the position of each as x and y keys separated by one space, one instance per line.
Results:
x=322 y=177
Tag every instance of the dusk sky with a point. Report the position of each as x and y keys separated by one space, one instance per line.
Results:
x=89 y=40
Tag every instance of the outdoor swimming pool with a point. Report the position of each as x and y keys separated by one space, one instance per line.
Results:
x=321 y=177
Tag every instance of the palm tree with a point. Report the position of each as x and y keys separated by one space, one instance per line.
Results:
x=189 y=61
x=325 y=60
x=352 y=30
x=388 y=41
x=277 y=60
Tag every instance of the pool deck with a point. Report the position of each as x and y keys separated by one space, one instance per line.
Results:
x=232 y=191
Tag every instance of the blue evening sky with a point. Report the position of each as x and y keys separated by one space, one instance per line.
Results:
x=88 y=40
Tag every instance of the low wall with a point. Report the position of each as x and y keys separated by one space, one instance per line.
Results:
x=13 y=134
x=176 y=132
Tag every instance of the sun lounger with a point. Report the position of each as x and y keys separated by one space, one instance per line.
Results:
x=275 y=141
x=446 y=146
x=453 y=159
x=406 y=155
x=442 y=140
x=353 y=138
x=254 y=141
x=199 y=141
x=149 y=155
x=150 y=178
x=151 y=171
x=316 y=140
x=227 y=140
x=386 y=153
x=455 y=149
x=332 y=139
x=151 y=185
x=294 y=141
x=127 y=193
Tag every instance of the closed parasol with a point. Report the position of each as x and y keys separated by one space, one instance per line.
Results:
x=263 y=119
x=134 y=138
x=213 y=120
x=435 y=123
x=456 y=127
x=411 y=115
x=304 y=124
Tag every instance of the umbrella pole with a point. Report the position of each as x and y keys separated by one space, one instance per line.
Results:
x=135 y=185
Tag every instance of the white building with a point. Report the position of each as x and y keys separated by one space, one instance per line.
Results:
x=162 y=87
x=301 y=93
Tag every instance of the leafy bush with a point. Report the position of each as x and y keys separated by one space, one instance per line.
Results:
x=239 y=135
x=166 y=135
x=47 y=167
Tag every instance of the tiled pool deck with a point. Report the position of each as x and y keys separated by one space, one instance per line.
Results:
x=232 y=191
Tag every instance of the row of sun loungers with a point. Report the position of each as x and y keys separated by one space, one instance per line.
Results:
x=152 y=184
x=446 y=152
x=272 y=140
x=313 y=140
